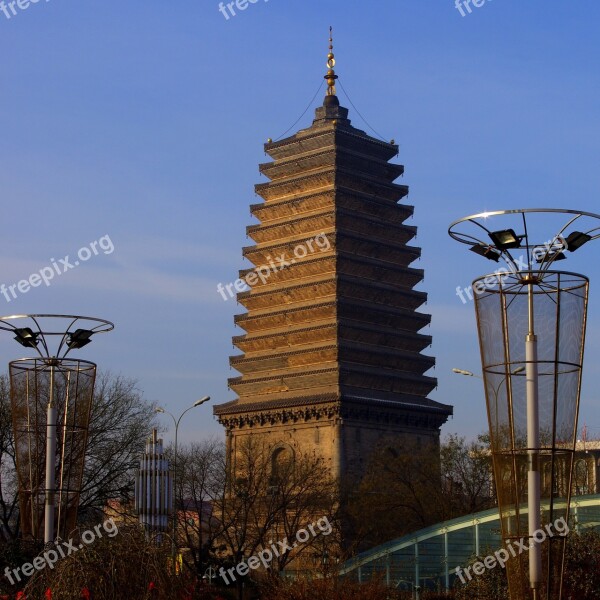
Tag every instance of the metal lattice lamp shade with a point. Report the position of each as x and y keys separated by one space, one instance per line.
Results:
x=559 y=303
x=69 y=384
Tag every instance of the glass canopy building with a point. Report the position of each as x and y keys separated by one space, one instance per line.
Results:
x=428 y=558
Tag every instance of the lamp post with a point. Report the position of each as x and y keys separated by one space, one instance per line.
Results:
x=176 y=423
x=532 y=315
x=50 y=461
x=52 y=395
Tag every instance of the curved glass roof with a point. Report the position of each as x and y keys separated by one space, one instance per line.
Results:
x=429 y=557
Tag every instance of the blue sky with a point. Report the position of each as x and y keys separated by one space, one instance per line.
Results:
x=145 y=121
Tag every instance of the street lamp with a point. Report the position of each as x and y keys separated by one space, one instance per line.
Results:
x=467 y=373
x=495 y=390
x=176 y=422
x=470 y=374
x=52 y=395
x=532 y=315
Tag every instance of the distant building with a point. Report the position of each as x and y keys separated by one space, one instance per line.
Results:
x=586 y=471
x=194 y=523
x=332 y=355
x=154 y=488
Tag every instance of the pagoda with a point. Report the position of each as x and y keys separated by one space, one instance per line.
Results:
x=332 y=351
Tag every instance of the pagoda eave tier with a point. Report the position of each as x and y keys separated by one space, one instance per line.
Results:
x=343 y=329
x=348 y=220
x=362 y=311
x=316 y=140
x=276 y=363
x=330 y=178
x=342 y=198
x=325 y=377
x=331 y=157
x=308 y=270
x=347 y=286
x=314 y=268
x=349 y=242
x=361 y=376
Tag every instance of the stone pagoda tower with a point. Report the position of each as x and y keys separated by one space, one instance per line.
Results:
x=332 y=356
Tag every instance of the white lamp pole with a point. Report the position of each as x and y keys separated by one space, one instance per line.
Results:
x=49 y=508
x=176 y=423
x=533 y=450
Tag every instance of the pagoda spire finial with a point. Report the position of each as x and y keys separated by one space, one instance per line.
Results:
x=331 y=76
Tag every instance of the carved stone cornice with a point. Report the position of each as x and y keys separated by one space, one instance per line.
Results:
x=236 y=415
x=281 y=416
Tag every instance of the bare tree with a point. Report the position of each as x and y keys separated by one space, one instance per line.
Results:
x=198 y=481
x=9 y=507
x=410 y=486
x=306 y=492
x=246 y=509
x=467 y=473
x=401 y=492
x=261 y=503
x=120 y=421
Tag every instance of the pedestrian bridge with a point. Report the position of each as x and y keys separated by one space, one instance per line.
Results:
x=428 y=558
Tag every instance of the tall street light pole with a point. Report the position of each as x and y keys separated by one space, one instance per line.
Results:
x=176 y=423
x=534 y=314
x=50 y=459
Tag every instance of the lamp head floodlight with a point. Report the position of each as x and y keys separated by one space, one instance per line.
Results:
x=38 y=331
x=26 y=337
x=486 y=251
x=506 y=239
x=576 y=239
x=79 y=338
x=542 y=235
